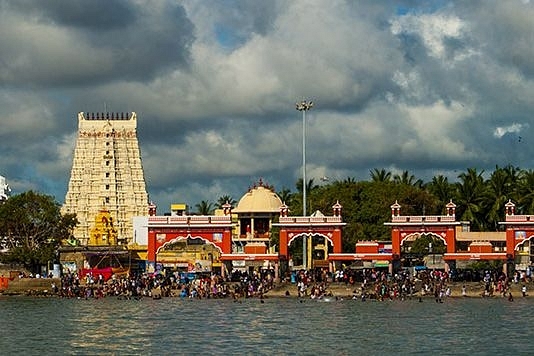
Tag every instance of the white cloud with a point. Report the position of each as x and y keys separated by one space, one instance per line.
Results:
x=516 y=128
x=434 y=29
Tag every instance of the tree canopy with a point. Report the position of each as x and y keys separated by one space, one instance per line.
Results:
x=31 y=229
x=479 y=197
x=205 y=207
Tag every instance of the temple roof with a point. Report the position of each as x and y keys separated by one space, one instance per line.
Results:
x=259 y=200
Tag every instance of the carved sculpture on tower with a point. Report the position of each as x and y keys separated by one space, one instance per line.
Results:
x=107 y=174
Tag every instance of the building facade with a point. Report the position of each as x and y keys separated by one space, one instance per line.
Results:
x=107 y=173
x=253 y=236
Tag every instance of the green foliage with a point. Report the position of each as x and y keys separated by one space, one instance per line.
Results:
x=380 y=175
x=205 y=207
x=226 y=199
x=285 y=196
x=366 y=204
x=32 y=227
x=483 y=265
x=421 y=245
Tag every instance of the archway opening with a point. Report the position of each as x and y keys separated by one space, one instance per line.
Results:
x=189 y=254
x=319 y=246
x=524 y=254
x=423 y=249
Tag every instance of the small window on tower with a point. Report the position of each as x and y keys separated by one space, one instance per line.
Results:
x=107 y=163
x=107 y=199
x=107 y=186
x=107 y=143
x=107 y=174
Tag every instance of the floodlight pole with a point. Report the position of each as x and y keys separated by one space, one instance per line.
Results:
x=304 y=106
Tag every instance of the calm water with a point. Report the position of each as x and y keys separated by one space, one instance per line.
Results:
x=279 y=326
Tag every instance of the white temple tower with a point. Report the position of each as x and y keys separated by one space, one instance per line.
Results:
x=107 y=173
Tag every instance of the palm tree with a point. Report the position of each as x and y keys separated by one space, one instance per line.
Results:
x=310 y=187
x=225 y=199
x=526 y=192
x=514 y=176
x=204 y=207
x=441 y=189
x=380 y=175
x=285 y=196
x=408 y=179
x=470 y=192
x=496 y=194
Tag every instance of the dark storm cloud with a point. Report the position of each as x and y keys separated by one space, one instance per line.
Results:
x=429 y=87
x=77 y=43
x=507 y=29
x=94 y=15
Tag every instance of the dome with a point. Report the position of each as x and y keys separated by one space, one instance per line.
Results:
x=259 y=200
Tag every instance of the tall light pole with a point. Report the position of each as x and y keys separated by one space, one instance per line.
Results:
x=304 y=106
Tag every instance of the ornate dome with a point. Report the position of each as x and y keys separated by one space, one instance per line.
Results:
x=259 y=200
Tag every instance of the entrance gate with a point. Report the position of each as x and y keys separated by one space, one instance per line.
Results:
x=293 y=227
x=215 y=230
x=519 y=237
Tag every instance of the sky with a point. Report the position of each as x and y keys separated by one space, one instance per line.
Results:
x=428 y=87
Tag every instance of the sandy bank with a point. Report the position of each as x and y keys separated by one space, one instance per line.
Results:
x=473 y=290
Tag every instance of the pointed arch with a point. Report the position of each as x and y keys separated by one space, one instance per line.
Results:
x=307 y=234
x=522 y=242
x=189 y=236
x=415 y=235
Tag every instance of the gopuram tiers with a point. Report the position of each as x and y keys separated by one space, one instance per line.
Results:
x=107 y=173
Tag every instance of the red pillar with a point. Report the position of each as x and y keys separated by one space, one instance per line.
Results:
x=283 y=248
x=395 y=241
x=451 y=240
x=510 y=242
x=151 y=253
x=336 y=238
x=227 y=241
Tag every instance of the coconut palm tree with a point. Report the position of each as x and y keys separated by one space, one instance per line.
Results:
x=515 y=178
x=380 y=175
x=225 y=199
x=526 y=192
x=441 y=189
x=496 y=194
x=205 y=207
x=310 y=187
x=408 y=179
x=469 y=197
x=285 y=196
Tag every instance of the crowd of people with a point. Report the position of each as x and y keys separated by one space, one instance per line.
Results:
x=378 y=284
x=158 y=285
x=369 y=283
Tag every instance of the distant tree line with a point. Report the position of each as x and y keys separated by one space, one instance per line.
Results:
x=32 y=226
x=479 y=199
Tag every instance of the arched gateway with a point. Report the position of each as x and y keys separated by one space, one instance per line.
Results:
x=514 y=246
x=164 y=230
x=327 y=228
x=241 y=239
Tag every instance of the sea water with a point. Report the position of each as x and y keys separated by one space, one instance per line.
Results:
x=174 y=326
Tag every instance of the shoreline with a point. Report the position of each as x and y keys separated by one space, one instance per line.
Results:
x=338 y=290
